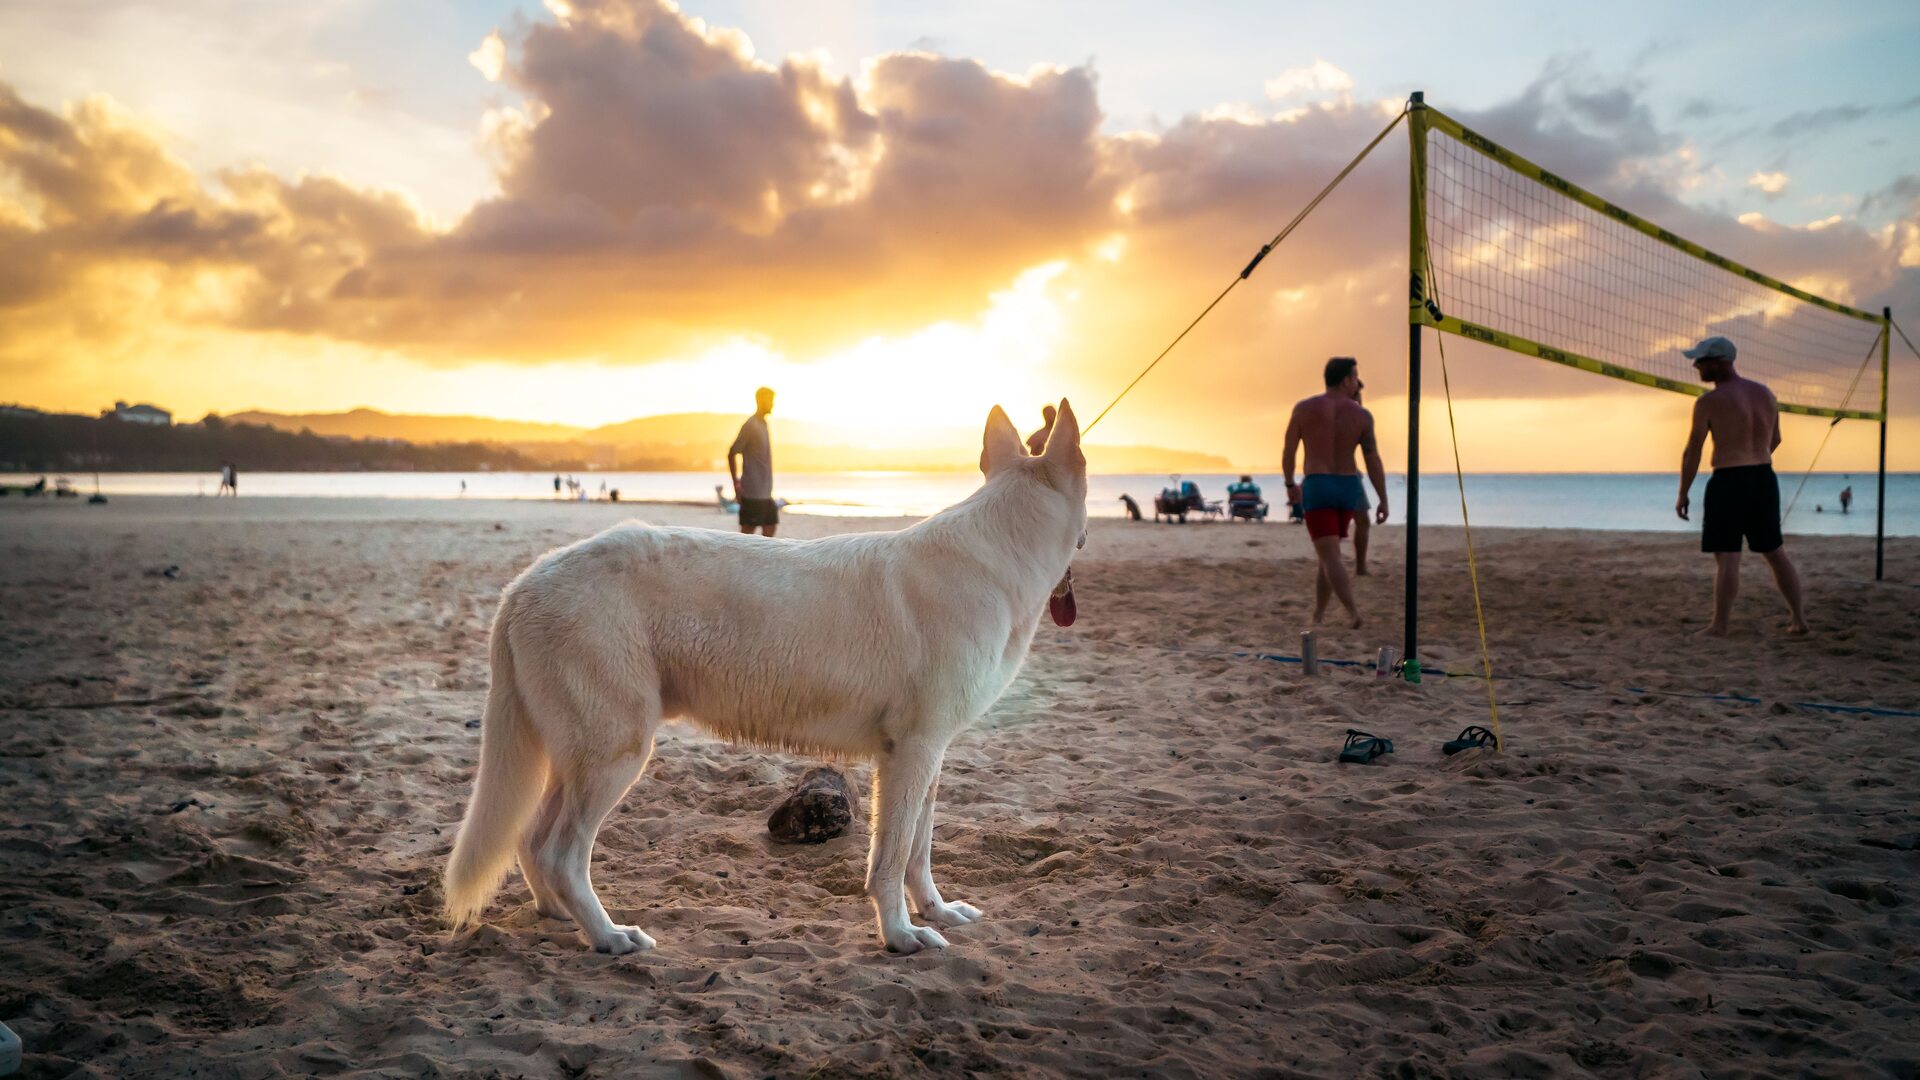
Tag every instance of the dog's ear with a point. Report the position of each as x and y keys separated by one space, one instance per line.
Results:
x=1000 y=446
x=1063 y=444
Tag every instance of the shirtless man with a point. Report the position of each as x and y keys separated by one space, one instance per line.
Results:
x=1362 y=531
x=1743 y=498
x=1332 y=425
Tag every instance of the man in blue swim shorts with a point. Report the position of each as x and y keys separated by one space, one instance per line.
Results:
x=1330 y=426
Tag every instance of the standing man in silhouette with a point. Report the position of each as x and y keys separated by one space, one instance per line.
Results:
x=1743 y=497
x=753 y=476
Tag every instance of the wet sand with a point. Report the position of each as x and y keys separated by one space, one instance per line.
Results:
x=229 y=793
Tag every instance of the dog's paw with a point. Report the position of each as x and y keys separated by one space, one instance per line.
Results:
x=954 y=914
x=914 y=938
x=623 y=940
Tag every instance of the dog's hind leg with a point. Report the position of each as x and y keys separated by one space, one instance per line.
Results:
x=902 y=777
x=546 y=898
x=588 y=791
x=920 y=886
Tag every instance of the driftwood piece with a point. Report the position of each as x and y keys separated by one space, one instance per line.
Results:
x=821 y=807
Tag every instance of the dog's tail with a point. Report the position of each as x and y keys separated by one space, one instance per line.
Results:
x=512 y=776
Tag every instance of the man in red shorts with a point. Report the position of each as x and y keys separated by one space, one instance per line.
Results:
x=1331 y=425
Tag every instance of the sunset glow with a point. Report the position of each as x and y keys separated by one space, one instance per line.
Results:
x=653 y=211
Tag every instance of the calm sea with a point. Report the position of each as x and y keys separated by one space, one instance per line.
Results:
x=1549 y=500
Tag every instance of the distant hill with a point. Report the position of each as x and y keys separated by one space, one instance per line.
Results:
x=54 y=442
x=707 y=430
x=374 y=424
x=699 y=441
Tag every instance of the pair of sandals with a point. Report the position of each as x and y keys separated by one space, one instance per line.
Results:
x=1361 y=748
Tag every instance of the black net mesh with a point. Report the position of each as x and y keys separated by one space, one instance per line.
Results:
x=1514 y=256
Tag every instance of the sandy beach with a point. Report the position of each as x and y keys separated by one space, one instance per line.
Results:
x=230 y=788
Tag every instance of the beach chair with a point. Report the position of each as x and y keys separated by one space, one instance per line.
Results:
x=63 y=489
x=1244 y=502
x=1183 y=498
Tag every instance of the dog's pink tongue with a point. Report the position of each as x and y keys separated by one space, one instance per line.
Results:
x=1060 y=606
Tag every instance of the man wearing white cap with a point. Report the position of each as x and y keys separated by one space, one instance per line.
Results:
x=1743 y=498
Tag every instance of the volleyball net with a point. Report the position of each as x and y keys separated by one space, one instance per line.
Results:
x=1515 y=256
x=1508 y=254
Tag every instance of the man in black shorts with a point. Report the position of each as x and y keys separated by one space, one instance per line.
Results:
x=1743 y=498
x=753 y=476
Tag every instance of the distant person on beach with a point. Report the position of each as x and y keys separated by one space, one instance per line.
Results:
x=1332 y=426
x=556 y=485
x=1743 y=497
x=1037 y=441
x=753 y=476
x=1846 y=499
x=229 y=481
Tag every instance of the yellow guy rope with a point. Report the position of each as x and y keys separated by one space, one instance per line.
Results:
x=1460 y=480
x=1473 y=569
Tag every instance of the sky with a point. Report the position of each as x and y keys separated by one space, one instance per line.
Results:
x=897 y=214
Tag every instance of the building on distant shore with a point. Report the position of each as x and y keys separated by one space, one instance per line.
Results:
x=141 y=414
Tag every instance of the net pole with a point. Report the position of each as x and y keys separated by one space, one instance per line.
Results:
x=1417 y=294
x=1880 y=501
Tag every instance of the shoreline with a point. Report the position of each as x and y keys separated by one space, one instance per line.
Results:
x=696 y=512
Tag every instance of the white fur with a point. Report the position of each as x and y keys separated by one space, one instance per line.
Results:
x=881 y=646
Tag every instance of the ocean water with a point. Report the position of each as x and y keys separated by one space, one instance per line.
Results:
x=1637 y=501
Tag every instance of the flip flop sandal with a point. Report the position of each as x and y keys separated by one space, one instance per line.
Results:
x=1360 y=747
x=1474 y=736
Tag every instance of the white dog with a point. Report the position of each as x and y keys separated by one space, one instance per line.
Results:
x=880 y=645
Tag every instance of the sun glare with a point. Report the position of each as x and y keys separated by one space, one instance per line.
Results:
x=908 y=391
x=890 y=391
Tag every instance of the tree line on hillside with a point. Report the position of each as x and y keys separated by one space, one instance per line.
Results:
x=53 y=442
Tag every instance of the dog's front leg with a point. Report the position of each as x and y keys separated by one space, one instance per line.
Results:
x=920 y=886
x=902 y=777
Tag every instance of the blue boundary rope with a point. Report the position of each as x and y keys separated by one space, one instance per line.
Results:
x=1813 y=706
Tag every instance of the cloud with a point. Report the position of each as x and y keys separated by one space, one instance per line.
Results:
x=1814 y=122
x=1770 y=184
x=491 y=57
x=660 y=187
x=1317 y=80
